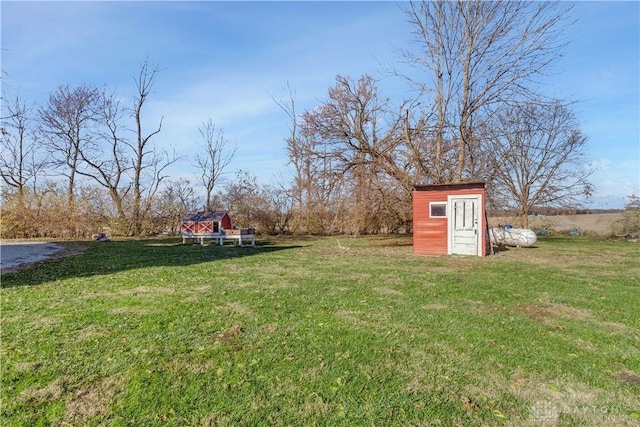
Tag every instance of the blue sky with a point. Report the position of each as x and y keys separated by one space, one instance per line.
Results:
x=227 y=60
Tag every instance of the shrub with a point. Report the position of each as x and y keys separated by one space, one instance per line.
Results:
x=629 y=226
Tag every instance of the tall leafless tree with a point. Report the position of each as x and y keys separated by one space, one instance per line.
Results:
x=148 y=164
x=216 y=156
x=364 y=139
x=107 y=161
x=314 y=181
x=294 y=150
x=539 y=158
x=479 y=56
x=65 y=123
x=20 y=160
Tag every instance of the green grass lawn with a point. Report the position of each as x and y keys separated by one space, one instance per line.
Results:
x=309 y=332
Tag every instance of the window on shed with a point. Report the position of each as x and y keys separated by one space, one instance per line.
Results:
x=438 y=209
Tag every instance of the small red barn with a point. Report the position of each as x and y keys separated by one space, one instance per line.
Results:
x=449 y=219
x=205 y=223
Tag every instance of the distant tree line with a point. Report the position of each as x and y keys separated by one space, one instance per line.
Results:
x=83 y=162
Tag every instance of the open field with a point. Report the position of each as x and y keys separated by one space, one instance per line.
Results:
x=305 y=331
x=600 y=224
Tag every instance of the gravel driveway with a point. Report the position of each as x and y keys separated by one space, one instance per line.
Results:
x=17 y=254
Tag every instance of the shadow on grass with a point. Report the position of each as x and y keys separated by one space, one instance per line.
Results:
x=503 y=248
x=123 y=255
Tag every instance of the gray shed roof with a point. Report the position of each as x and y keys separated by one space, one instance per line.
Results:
x=205 y=216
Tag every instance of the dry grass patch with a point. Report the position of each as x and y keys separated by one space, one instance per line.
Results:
x=585 y=345
x=543 y=312
x=362 y=319
x=279 y=285
x=93 y=400
x=148 y=293
x=26 y=366
x=198 y=289
x=436 y=354
x=88 y=333
x=483 y=308
x=575 y=403
x=146 y=290
x=547 y=313
x=45 y=321
x=191 y=364
x=52 y=391
x=239 y=309
x=387 y=291
x=230 y=336
x=630 y=378
x=193 y=294
x=268 y=329
x=138 y=292
x=129 y=310
x=315 y=406
x=351 y=316
x=312 y=373
x=434 y=307
x=418 y=386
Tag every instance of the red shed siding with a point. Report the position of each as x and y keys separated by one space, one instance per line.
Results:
x=431 y=235
x=226 y=222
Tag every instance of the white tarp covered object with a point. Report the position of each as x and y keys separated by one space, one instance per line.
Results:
x=522 y=237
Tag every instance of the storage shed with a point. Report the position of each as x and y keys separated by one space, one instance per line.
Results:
x=450 y=219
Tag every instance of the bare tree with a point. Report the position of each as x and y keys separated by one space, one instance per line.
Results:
x=294 y=147
x=479 y=56
x=364 y=139
x=148 y=164
x=20 y=162
x=538 y=152
x=107 y=162
x=315 y=182
x=277 y=213
x=242 y=197
x=65 y=123
x=215 y=158
x=175 y=199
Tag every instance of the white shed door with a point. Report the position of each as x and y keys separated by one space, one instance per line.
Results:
x=464 y=222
